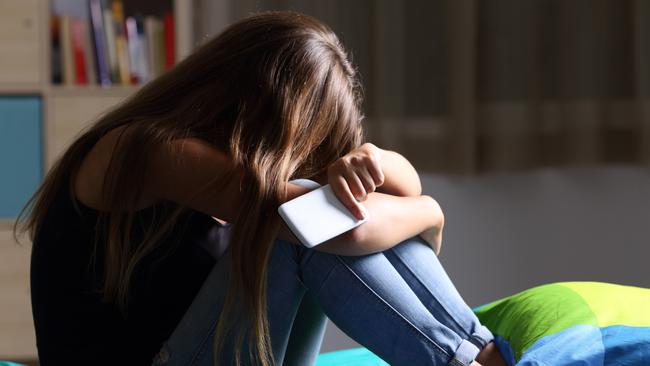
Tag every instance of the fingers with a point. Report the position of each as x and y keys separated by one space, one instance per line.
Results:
x=368 y=183
x=368 y=172
x=355 y=184
x=375 y=172
x=342 y=190
x=356 y=175
x=372 y=162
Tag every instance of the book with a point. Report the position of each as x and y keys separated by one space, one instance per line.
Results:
x=170 y=44
x=109 y=34
x=67 y=61
x=143 y=65
x=55 y=54
x=137 y=50
x=121 y=47
x=153 y=29
x=91 y=68
x=79 y=57
x=132 y=41
x=99 y=42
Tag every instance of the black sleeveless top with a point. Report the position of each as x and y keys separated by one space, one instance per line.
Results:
x=73 y=324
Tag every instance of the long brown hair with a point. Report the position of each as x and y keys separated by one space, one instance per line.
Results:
x=278 y=94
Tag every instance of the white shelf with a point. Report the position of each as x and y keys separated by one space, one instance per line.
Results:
x=91 y=91
x=20 y=88
x=6 y=224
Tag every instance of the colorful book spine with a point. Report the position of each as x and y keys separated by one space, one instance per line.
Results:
x=91 y=67
x=68 y=71
x=137 y=51
x=170 y=44
x=99 y=41
x=153 y=29
x=121 y=47
x=132 y=39
x=78 y=51
x=137 y=38
x=109 y=34
x=143 y=65
x=55 y=53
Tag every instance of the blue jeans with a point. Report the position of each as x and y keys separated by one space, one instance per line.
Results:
x=399 y=303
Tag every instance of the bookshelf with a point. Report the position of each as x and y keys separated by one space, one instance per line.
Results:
x=38 y=119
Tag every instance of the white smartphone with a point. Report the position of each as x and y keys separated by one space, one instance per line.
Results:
x=317 y=216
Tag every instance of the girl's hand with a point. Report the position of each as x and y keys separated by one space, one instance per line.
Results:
x=355 y=175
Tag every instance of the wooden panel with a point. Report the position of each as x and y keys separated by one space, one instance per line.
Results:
x=67 y=116
x=19 y=41
x=17 y=340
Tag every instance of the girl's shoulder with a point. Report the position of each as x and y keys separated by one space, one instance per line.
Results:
x=89 y=180
x=186 y=171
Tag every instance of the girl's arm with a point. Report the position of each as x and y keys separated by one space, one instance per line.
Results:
x=185 y=176
x=400 y=177
x=391 y=220
x=185 y=171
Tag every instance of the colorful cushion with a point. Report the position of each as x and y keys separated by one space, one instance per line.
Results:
x=560 y=324
x=572 y=323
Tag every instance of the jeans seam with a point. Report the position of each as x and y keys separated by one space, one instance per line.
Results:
x=304 y=255
x=457 y=362
x=479 y=342
x=466 y=333
x=327 y=277
x=202 y=348
x=417 y=331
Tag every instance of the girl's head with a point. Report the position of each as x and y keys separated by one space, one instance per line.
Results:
x=277 y=94
x=298 y=94
x=276 y=88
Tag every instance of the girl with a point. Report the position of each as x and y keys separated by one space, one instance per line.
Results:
x=129 y=263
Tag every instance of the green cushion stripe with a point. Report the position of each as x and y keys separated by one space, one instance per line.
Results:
x=538 y=309
x=615 y=304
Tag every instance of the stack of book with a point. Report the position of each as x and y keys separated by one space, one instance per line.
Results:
x=107 y=48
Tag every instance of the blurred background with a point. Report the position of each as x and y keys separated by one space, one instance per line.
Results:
x=529 y=121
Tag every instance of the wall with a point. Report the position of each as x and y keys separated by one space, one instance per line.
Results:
x=506 y=233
